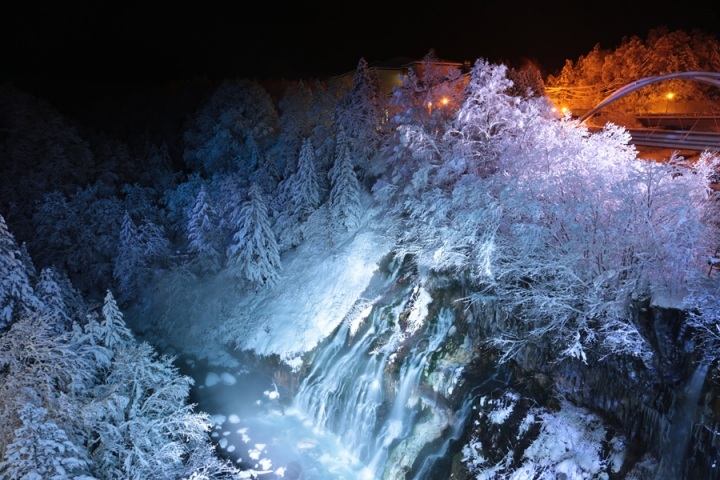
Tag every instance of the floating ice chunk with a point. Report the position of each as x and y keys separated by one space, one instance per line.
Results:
x=272 y=394
x=225 y=434
x=265 y=463
x=260 y=446
x=245 y=438
x=254 y=454
x=233 y=418
x=223 y=442
x=214 y=435
x=240 y=431
x=211 y=379
x=228 y=378
x=280 y=472
x=217 y=419
x=231 y=448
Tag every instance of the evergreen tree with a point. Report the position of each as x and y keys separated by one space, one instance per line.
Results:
x=345 y=205
x=305 y=196
x=41 y=450
x=16 y=293
x=361 y=114
x=294 y=126
x=28 y=262
x=155 y=245
x=217 y=138
x=52 y=300
x=253 y=250
x=203 y=231
x=112 y=329
x=129 y=258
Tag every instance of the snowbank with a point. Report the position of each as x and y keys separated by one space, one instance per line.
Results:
x=315 y=293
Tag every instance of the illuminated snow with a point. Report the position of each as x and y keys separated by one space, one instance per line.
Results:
x=312 y=297
x=419 y=310
x=234 y=419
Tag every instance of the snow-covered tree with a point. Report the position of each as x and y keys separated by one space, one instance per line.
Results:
x=142 y=426
x=361 y=114
x=41 y=450
x=78 y=234
x=130 y=257
x=52 y=300
x=294 y=126
x=112 y=330
x=253 y=252
x=41 y=366
x=305 y=194
x=299 y=197
x=428 y=98
x=485 y=122
x=178 y=202
x=345 y=201
x=203 y=232
x=16 y=294
x=217 y=140
x=155 y=244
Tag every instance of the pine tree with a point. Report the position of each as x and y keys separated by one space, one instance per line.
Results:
x=53 y=302
x=129 y=259
x=345 y=205
x=253 y=251
x=41 y=450
x=305 y=196
x=16 y=293
x=360 y=114
x=112 y=329
x=203 y=231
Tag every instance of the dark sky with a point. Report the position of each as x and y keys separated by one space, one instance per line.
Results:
x=59 y=49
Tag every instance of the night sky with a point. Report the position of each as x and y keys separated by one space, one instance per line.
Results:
x=63 y=50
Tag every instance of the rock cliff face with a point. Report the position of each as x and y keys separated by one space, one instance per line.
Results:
x=665 y=410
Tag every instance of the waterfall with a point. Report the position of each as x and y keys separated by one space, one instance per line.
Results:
x=674 y=462
x=365 y=388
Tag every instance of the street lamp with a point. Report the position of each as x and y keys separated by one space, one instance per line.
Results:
x=669 y=96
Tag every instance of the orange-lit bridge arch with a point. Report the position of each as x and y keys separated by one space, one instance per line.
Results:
x=710 y=78
x=681 y=140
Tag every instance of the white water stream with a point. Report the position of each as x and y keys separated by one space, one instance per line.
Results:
x=361 y=399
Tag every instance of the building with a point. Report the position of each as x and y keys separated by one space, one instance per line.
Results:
x=391 y=72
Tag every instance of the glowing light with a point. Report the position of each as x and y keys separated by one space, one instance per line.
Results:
x=564 y=110
x=670 y=95
x=444 y=101
x=429 y=105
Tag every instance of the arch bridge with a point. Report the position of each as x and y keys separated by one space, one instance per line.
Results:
x=680 y=139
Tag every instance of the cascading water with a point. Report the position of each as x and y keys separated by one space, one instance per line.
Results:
x=379 y=401
x=351 y=392
x=674 y=463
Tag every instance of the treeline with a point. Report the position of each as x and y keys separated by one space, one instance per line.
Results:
x=585 y=82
